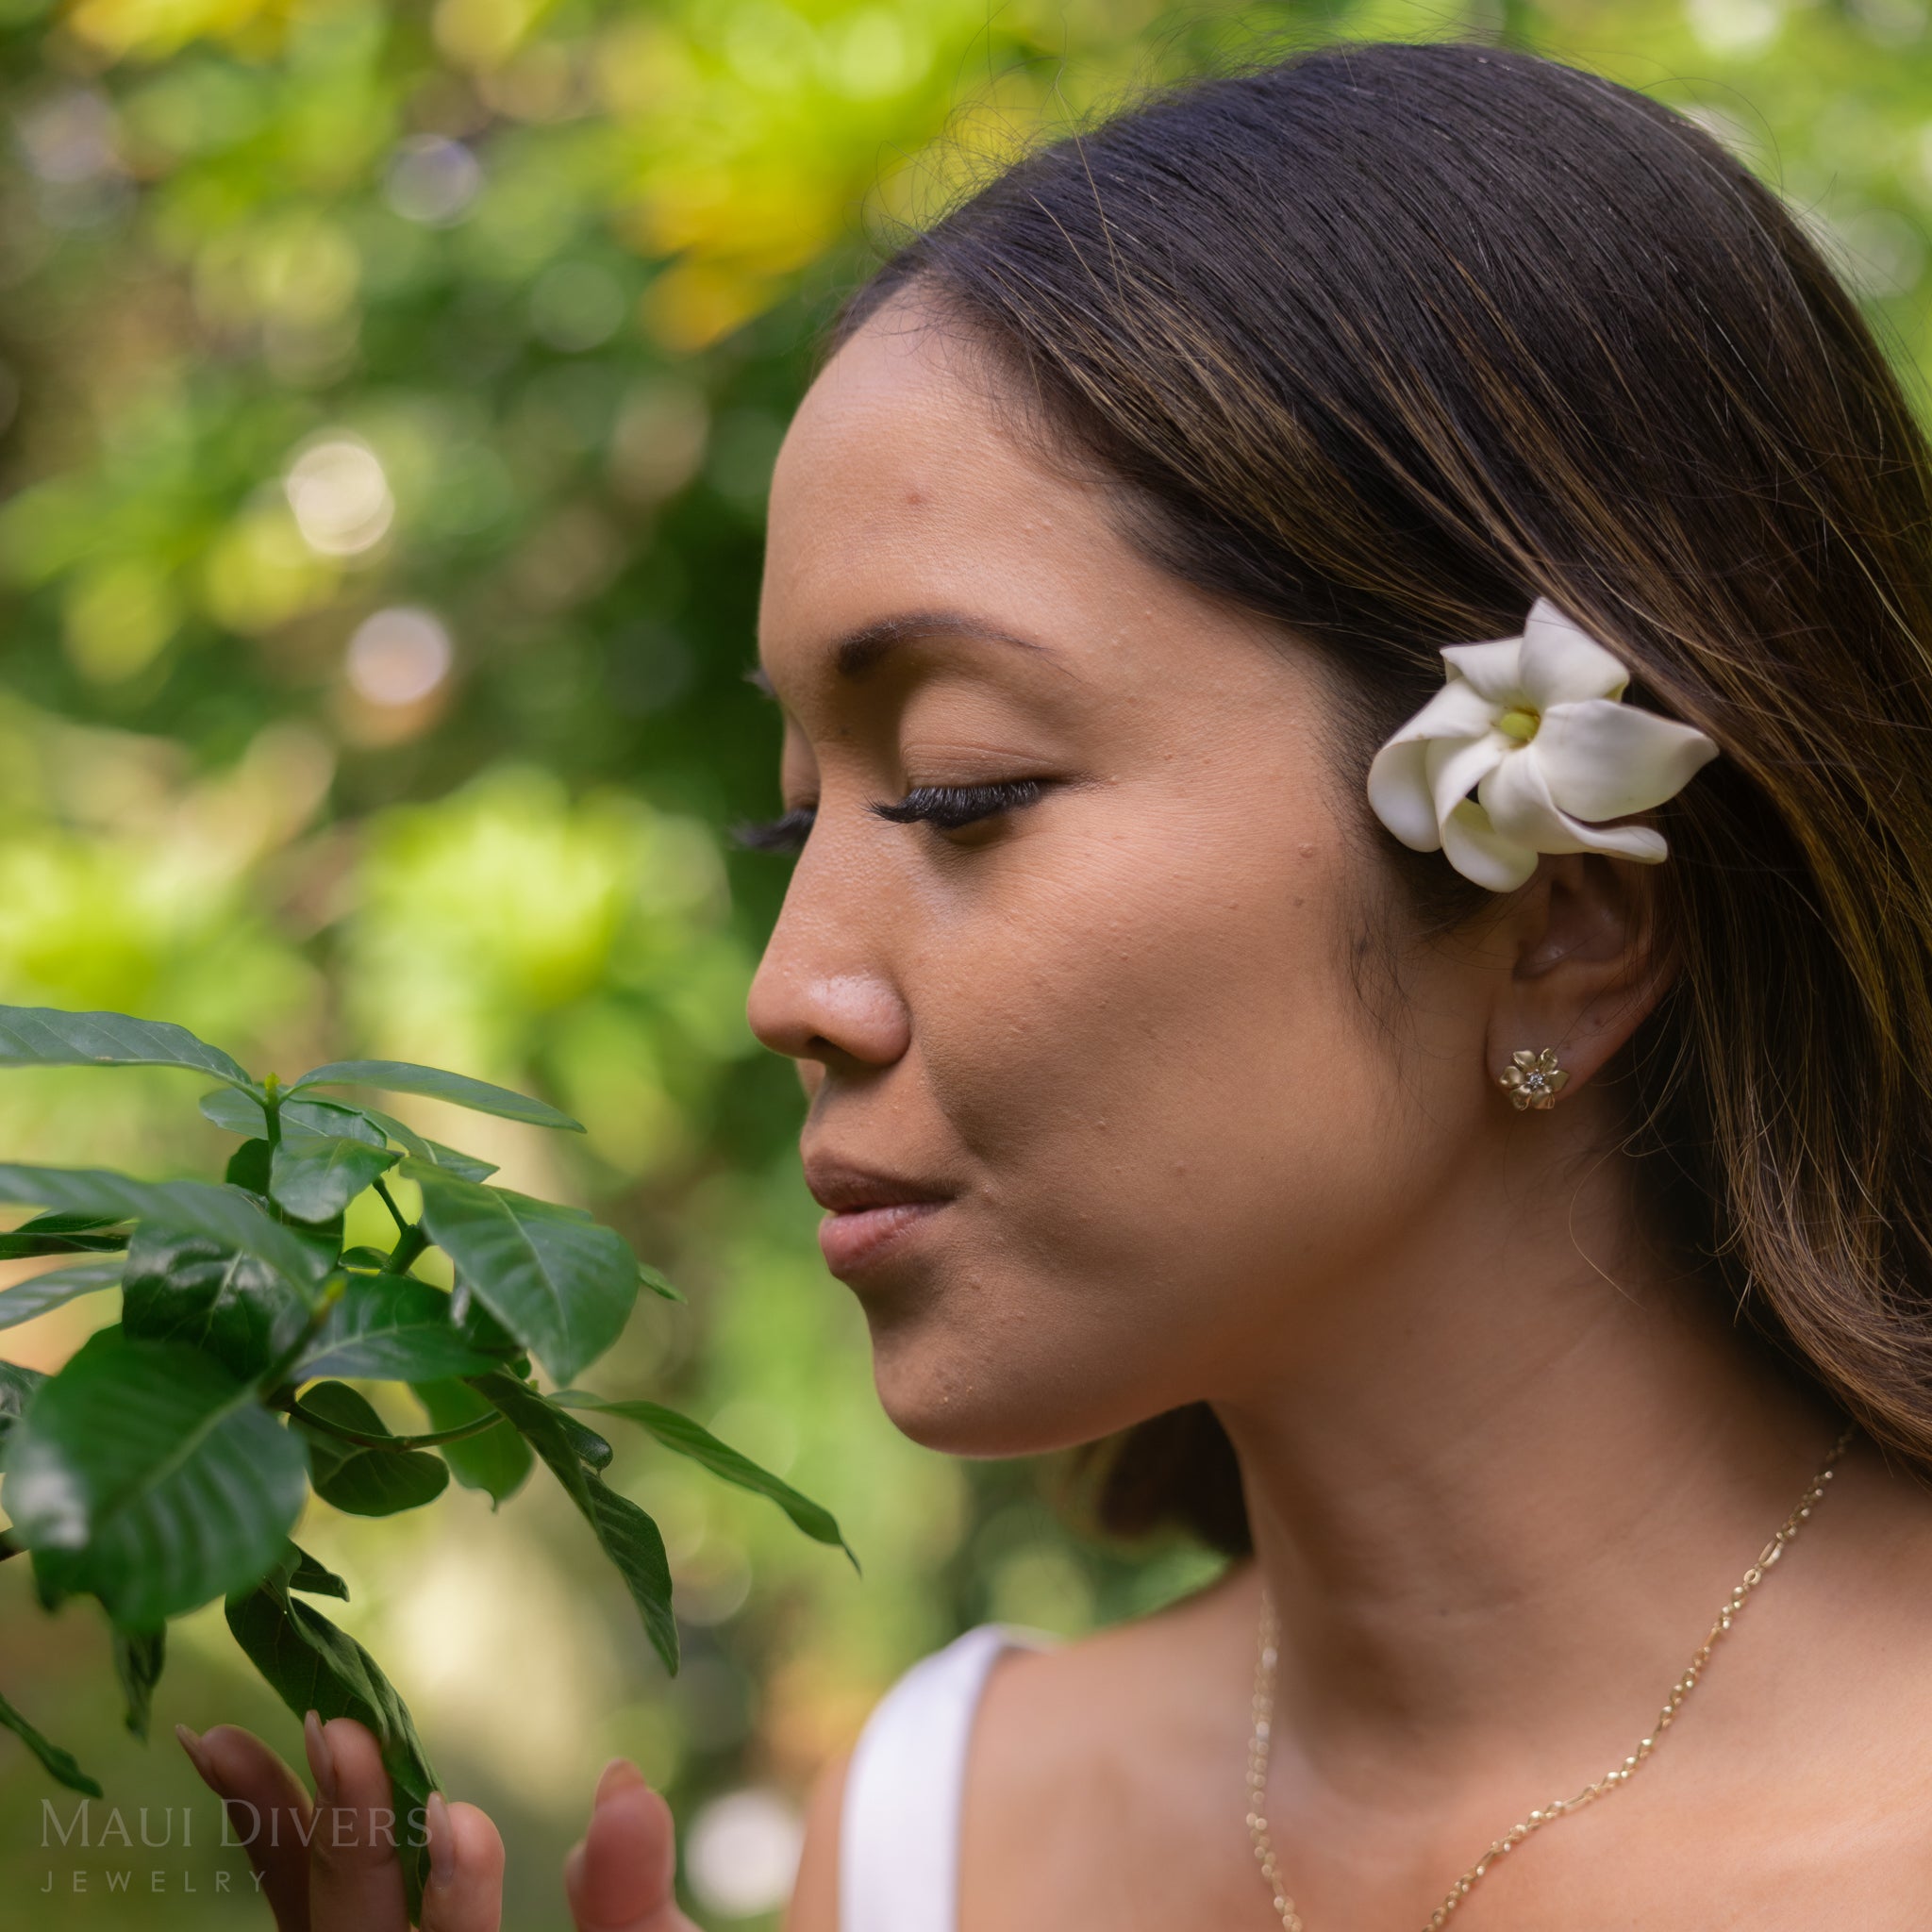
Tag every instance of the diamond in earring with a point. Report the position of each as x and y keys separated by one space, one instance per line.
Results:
x=1533 y=1079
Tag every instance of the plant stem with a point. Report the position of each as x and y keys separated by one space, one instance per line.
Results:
x=404 y=1225
x=411 y=1239
x=277 y=1371
x=360 y=1441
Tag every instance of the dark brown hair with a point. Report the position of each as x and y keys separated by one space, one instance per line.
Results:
x=1385 y=340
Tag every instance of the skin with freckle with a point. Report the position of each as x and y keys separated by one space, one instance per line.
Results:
x=1190 y=1147
x=1037 y=1016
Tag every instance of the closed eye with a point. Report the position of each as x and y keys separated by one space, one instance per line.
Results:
x=947 y=808
x=951 y=807
x=786 y=833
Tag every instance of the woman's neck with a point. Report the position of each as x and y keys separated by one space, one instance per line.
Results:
x=1507 y=1487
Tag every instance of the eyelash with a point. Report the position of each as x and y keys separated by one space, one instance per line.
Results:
x=945 y=808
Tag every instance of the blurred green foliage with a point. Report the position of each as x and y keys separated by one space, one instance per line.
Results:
x=387 y=399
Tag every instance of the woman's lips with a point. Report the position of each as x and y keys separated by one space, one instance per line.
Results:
x=853 y=1238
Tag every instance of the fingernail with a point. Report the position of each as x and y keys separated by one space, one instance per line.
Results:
x=442 y=1840
x=197 y=1756
x=321 y=1764
x=619 y=1774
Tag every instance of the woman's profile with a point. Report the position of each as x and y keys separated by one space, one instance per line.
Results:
x=1355 y=650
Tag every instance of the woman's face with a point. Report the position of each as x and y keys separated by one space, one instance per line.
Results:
x=1104 y=1121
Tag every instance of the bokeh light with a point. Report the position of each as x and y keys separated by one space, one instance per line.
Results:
x=398 y=657
x=433 y=180
x=339 y=495
x=742 y=1852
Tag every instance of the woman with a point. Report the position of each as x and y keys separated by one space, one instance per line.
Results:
x=1461 y=1121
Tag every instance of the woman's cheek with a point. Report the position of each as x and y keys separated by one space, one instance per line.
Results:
x=1154 y=1060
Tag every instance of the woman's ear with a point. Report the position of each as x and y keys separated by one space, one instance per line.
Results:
x=1587 y=965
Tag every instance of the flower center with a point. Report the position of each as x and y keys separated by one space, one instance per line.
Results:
x=1521 y=725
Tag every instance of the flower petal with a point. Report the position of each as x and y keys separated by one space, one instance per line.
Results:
x=1479 y=852
x=1457 y=711
x=1517 y=798
x=1602 y=759
x=1455 y=769
x=1399 y=794
x=1561 y=664
x=1492 y=668
x=1398 y=778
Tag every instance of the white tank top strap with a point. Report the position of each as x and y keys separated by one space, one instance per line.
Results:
x=899 y=1826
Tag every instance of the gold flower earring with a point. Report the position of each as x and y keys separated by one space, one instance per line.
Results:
x=1533 y=1079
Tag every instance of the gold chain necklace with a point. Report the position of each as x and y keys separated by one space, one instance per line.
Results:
x=1561 y=1808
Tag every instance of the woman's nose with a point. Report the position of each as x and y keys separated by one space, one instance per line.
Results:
x=815 y=1009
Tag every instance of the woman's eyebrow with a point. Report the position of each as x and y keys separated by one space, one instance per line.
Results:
x=860 y=652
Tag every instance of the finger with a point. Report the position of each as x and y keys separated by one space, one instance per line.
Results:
x=264 y=1809
x=355 y=1873
x=619 y=1878
x=465 y=1889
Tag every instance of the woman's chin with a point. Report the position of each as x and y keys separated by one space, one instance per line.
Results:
x=978 y=1408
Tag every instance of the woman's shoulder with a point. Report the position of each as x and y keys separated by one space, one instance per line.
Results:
x=1061 y=1769
x=1003 y=1713
x=1008 y=1663
x=882 y=1836
x=1125 y=1668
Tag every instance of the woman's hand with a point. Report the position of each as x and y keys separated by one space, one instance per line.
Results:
x=332 y=1865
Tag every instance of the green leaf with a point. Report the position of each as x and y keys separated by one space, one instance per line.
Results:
x=627 y=1535
x=244 y=1114
x=55 y=1289
x=70 y=1223
x=389 y=1328
x=658 y=1285
x=22 y=1246
x=483 y=1330
x=185 y=1288
x=593 y=1449
x=47 y=1037
x=316 y=1578
x=559 y=1283
x=466 y=1167
x=18 y=1385
x=139 y=1655
x=59 y=1764
x=314 y=1177
x=687 y=1438
x=496 y=1460
x=313 y=1666
x=249 y=1166
x=224 y=1214
x=363 y=1481
x=63 y=1234
x=400 y=1077
x=148 y=1474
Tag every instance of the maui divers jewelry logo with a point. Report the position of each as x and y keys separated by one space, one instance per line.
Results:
x=116 y=1841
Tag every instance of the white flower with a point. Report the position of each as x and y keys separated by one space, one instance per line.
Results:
x=1534 y=725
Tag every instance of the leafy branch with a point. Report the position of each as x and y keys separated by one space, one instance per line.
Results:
x=169 y=1462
